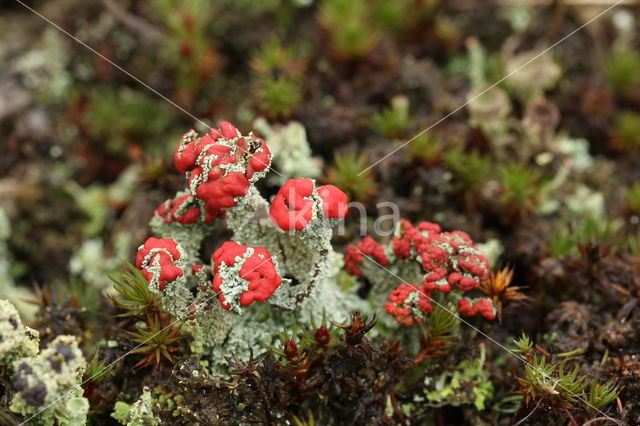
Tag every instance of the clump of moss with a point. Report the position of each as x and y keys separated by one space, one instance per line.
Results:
x=394 y=120
x=626 y=133
x=348 y=24
x=348 y=173
x=633 y=198
x=278 y=74
x=622 y=70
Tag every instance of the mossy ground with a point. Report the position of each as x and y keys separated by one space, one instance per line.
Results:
x=546 y=165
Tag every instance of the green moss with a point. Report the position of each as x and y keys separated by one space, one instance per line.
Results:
x=122 y=116
x=425 y=149
x=348 y=24
x=393 y=121
x=279 y=96
x=622 y=70
x=347 y=174
x=520 y=186
x=466 y=383
x=633 y=198
x=470 y=170
x=626 y=132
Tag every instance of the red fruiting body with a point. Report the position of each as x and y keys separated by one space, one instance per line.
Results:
x=227 y=131
x=437 y=259
x=184 y=209
x=258 y=269
x=259 y=161
x=354 y=256
x=220 y=165
x=187 y=152
x=412 y=238
x=334 y=201
x=449 y=261
x=483 y=307
x=196 y=268
x=290 y=349
x=292 y=208
x=408 y=304
x=156 y=259
x=322 y=336
x=429 y=227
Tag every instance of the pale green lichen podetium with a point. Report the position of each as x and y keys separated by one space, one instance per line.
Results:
x=292 y=154
x=16 y=340
x=19 y=296
x=140 y=413
x=48 y=387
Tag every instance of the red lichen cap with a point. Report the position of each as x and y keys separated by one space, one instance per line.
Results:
x=187 y=152
x=354 y=255
x=449 y=261
x=334 y=202
x=475 y=264
x=454 y=257
x=217 y=187
x=482 y=306
x=292 y=207
x=220 y=165
x=408 y=304
x=429 y=227
x=157 y=260
x=185 y=209
x=260 y=160
x=408 y=238
x=257 y=269
x=228 y=130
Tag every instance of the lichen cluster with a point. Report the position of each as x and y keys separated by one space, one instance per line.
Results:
x=46 y=383
x=16 y=340
x=444 y=263
x=280 y=252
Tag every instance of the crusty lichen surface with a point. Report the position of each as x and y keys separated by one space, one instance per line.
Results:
x=47 y=386
x=140 y=413
x=16 y=340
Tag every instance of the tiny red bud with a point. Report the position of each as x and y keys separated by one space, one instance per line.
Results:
x=290 y=349
x=322 y=336
x=186 y=50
